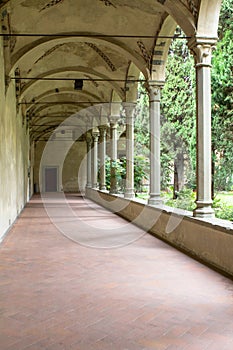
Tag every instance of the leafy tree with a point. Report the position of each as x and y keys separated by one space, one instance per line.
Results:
x=178 y=134
x=119 y=172
x=178 y=117
x=225 y=19
x=222 y=98
x=141 y=172
x=142 y=137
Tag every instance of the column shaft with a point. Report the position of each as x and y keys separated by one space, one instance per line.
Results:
x=89 y=141
x=129 y=188
x=113 y=132
x=102 y=158
x=155 y=168
x=95 y=160
x=204 y=155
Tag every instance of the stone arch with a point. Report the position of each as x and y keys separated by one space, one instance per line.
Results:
x=208 y=18
x=113 y=43
x=161 y=49
x=63 y=91
x=183 y=16
x=75 y=70
x=131 y=88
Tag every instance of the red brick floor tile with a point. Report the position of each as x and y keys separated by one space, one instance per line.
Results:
x=60 y=295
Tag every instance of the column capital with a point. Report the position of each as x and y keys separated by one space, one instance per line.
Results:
x=129 y=108
x=202 y=50
x=154 y=84
x=88 y=138
x=154 y=89
x=95 y=135
x=103 y=130
x=103 y=133
x=113 y=119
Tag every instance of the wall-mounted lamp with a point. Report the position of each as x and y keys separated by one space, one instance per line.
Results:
x=78 y=84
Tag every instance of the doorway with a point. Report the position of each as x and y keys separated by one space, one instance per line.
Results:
x=51 y=179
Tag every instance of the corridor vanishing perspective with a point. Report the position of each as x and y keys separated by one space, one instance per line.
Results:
x=69 y=75
x=57 y=294
x=70 y=72
x=84 y=267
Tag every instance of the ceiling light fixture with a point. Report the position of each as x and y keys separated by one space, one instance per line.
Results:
x=78 y=84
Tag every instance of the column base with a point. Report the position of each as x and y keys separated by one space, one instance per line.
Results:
x=155 y=200
x=129 y=193
x=102 y=188
x=204 y=210
x=88 y=186
x=113 y=191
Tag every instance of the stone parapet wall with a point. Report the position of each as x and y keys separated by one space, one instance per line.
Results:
x=208 y=240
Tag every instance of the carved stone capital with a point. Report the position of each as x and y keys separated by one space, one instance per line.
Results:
x=202 y=50
x=103 y=131
x=88 y=138
x=203 y=54
x=129 y=108
x=113 y=119
x=95 y=136
x=154 y=90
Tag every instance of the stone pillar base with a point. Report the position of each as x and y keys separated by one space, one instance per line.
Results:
x=155 y=200
x=204 y=210
x=113 y=191
x=129 y=193
x=102 y=188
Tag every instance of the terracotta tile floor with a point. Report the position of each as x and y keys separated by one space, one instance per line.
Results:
x=57 y=294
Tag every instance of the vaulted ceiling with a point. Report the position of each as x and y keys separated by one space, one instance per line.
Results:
x=105 y=43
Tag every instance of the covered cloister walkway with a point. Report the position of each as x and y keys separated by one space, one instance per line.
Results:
x=60 y=294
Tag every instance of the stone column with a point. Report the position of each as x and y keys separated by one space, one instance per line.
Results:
x=102 y=157
x=89 y=144
x=113 y=133
x=203 y=51
x=129 y=186
x=155 y=168
x=95 y=159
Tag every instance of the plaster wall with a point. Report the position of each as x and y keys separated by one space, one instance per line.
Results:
x=74 y=171
x=211 y=241
x=14 y=145
x=68 y=157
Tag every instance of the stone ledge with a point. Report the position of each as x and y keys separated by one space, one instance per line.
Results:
x=208 y=240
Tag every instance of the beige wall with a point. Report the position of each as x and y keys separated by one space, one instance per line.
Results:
x=210 y=240
x=14 y=189
x=74 y=171
x=71 y=172
x=38 y=150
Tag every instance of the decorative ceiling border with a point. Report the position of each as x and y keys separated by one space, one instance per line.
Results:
x=147 y=55
x=47 y=53
x=108 y=3
x=102 y=55
x=92 y=80
x=193 y=8
x=51 y=4
x=9 y=41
